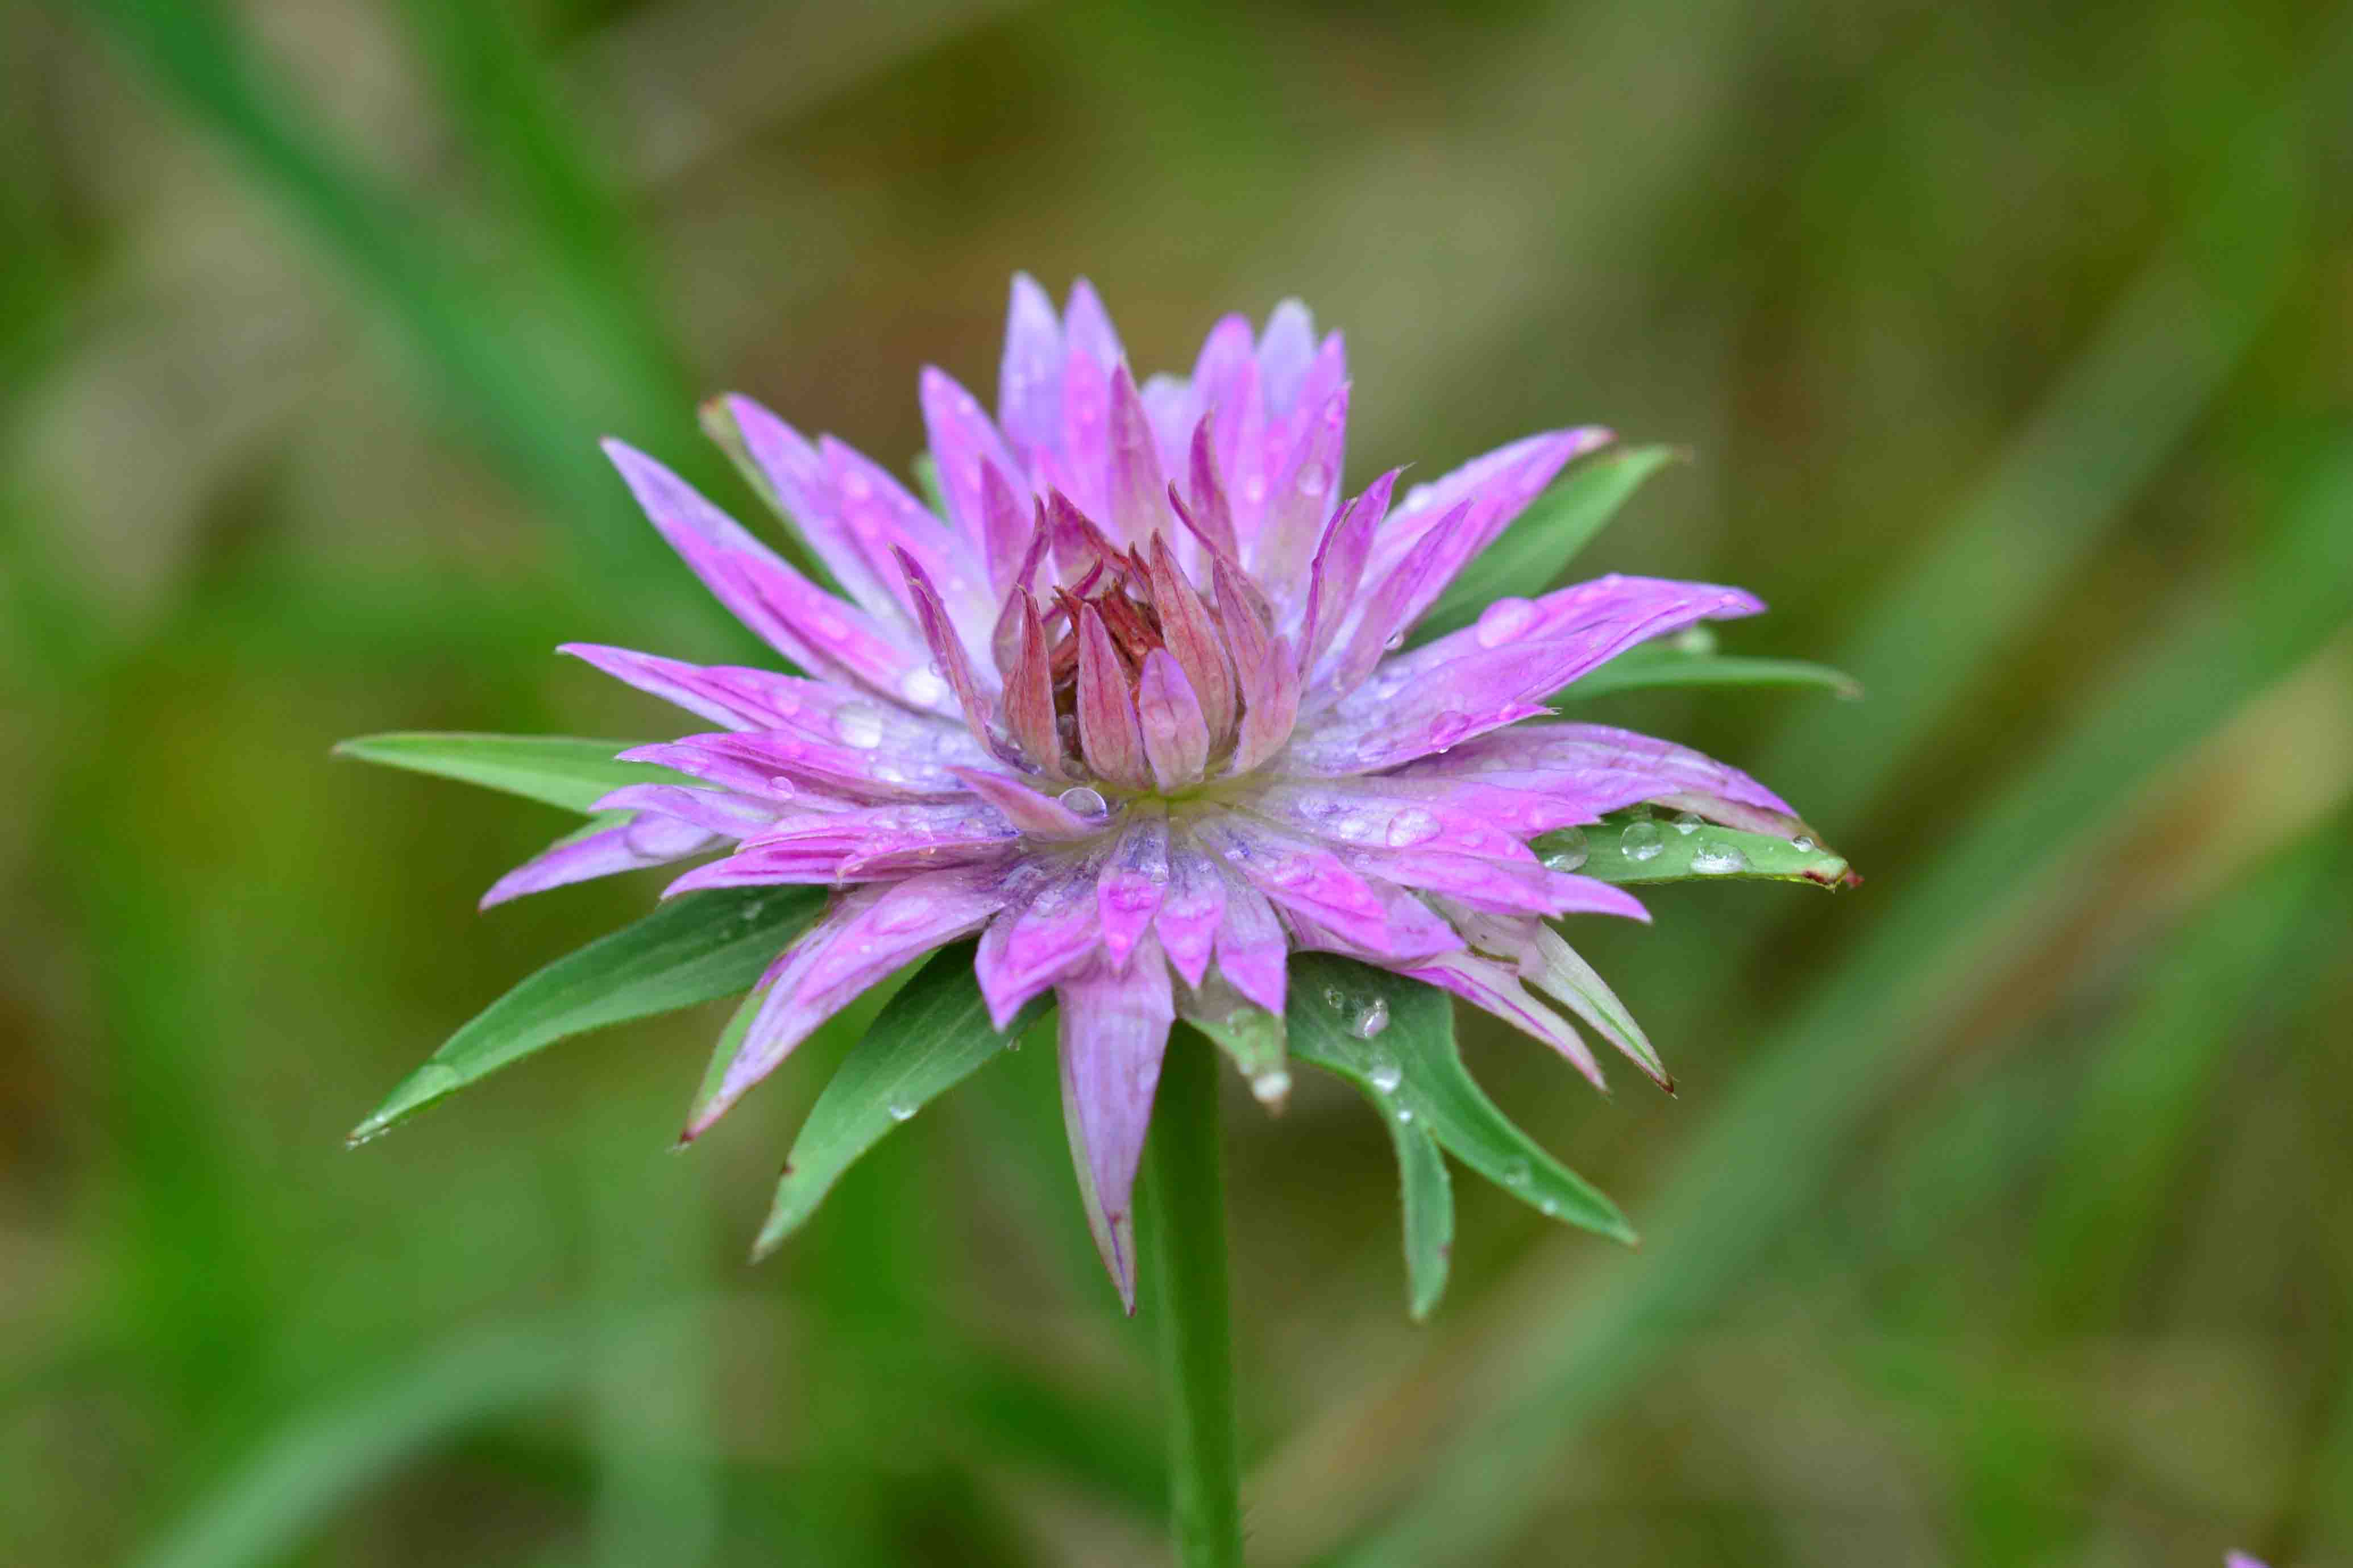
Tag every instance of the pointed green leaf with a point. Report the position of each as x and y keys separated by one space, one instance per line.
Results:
x=1412 y=1066
x=1664 y=664
x=1541 y=541
x=1426 y=1189
x=692 y=948
x=933 y=1036
x=560 y=770
x=1660 y=851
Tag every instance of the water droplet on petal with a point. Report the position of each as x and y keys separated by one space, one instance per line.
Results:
x=1385 y=1074
x=859 y=724
x=1254 y=489
x=1714 y=857
x=1314 y=479
x=1410 y=827
x=1695 y=639
x=923 y=688
x=1568 y=850
x=1375 y=1018
x=1292 y=871
x=1504 y=620
x=1268 y=1087
x=902 y=1110
x=1688 y=823
x=1642 y=841
x=1396 y=640
x=856 y=486
x=1083 y=800
x=1447 y=728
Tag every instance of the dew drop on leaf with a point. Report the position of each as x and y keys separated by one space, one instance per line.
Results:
x=902 y=1110
x=1642 y=841
x=1687 y=823
x=1714 y=857
x=1373 y=1020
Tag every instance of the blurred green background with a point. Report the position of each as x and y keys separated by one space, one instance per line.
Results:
x=2006 y=1215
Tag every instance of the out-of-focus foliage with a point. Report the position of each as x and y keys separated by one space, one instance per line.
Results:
x=2004 y=1213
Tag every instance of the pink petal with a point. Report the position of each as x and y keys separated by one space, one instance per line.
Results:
x=1251 y=950
x=964 y=443
x=1305 y=487
x=1193 y=639
x=1049 y=927
x=1137 y=507
x=1029 y=386
x=1115 y=1025
x=642 y=841
x=1191 y=912
x=1109 y=734
x=1339 y=569
x=1176 y=736
x=1128 y=893
x=864 y=937
x=1040 y=816
x=805 y=486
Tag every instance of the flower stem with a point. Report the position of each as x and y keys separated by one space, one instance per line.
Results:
x=1183 y=1215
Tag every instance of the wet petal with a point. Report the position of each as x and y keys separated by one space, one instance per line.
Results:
x=1115 y=1025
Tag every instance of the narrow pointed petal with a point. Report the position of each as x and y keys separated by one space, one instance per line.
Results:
x=966 y=446
x=1604 y=768
x=1496 y=487
x=1029 y=697
x=1339 y=570
x=1191 y=910
x=1493 y=988
x=1008 y=527
x=1134 y=879
x=644 y=840
x=866 y=936
x=1193 y=638
x=1114 y=1026
x=750 y=762
x=1029 y=384
x=1087 y=329
x=1251 y=946
x=1555 y=966
x=1305 y=487
x=1137 y=504
x=1608 y=614
x=804 y=485
x=1270 y=692
x=1109 y=734
x=887 y=521
x=721 y=812
x=948 y=661
x=1042 y=815
x=1049 y=927
x=1225 y=378
x=1173 y=410
x=1211 y=515
x=792 y=615
x=1381 y=617
x=1176 y=736
x=1297 y=874
x=738 y=698
x=1285 y=352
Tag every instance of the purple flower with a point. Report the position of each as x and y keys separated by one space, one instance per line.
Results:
x=1133 y=710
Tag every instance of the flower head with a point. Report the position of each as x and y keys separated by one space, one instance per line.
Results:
x=1135 y=708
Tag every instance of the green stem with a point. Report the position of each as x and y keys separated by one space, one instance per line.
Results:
x=1184 y=1218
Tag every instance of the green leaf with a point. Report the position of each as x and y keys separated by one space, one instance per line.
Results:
x=1664 y=664
x=934 y=1035
x=556 y=769
x=1419 y=1083
x=1644 y=850
x=692 y=948
x=1540 y=544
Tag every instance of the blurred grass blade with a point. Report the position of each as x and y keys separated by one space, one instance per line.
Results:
x=559 y=770
x=1540 y=544
x=319 y=1463
x=2100 y=434
x=1662 y=664
x=695 y=948
x=2134 y=1131
x=1411 y=1063
x=1659 y=851
x=541 y=419
x=933 y=1036
x=1426 y=1190
x=1771 y=1152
